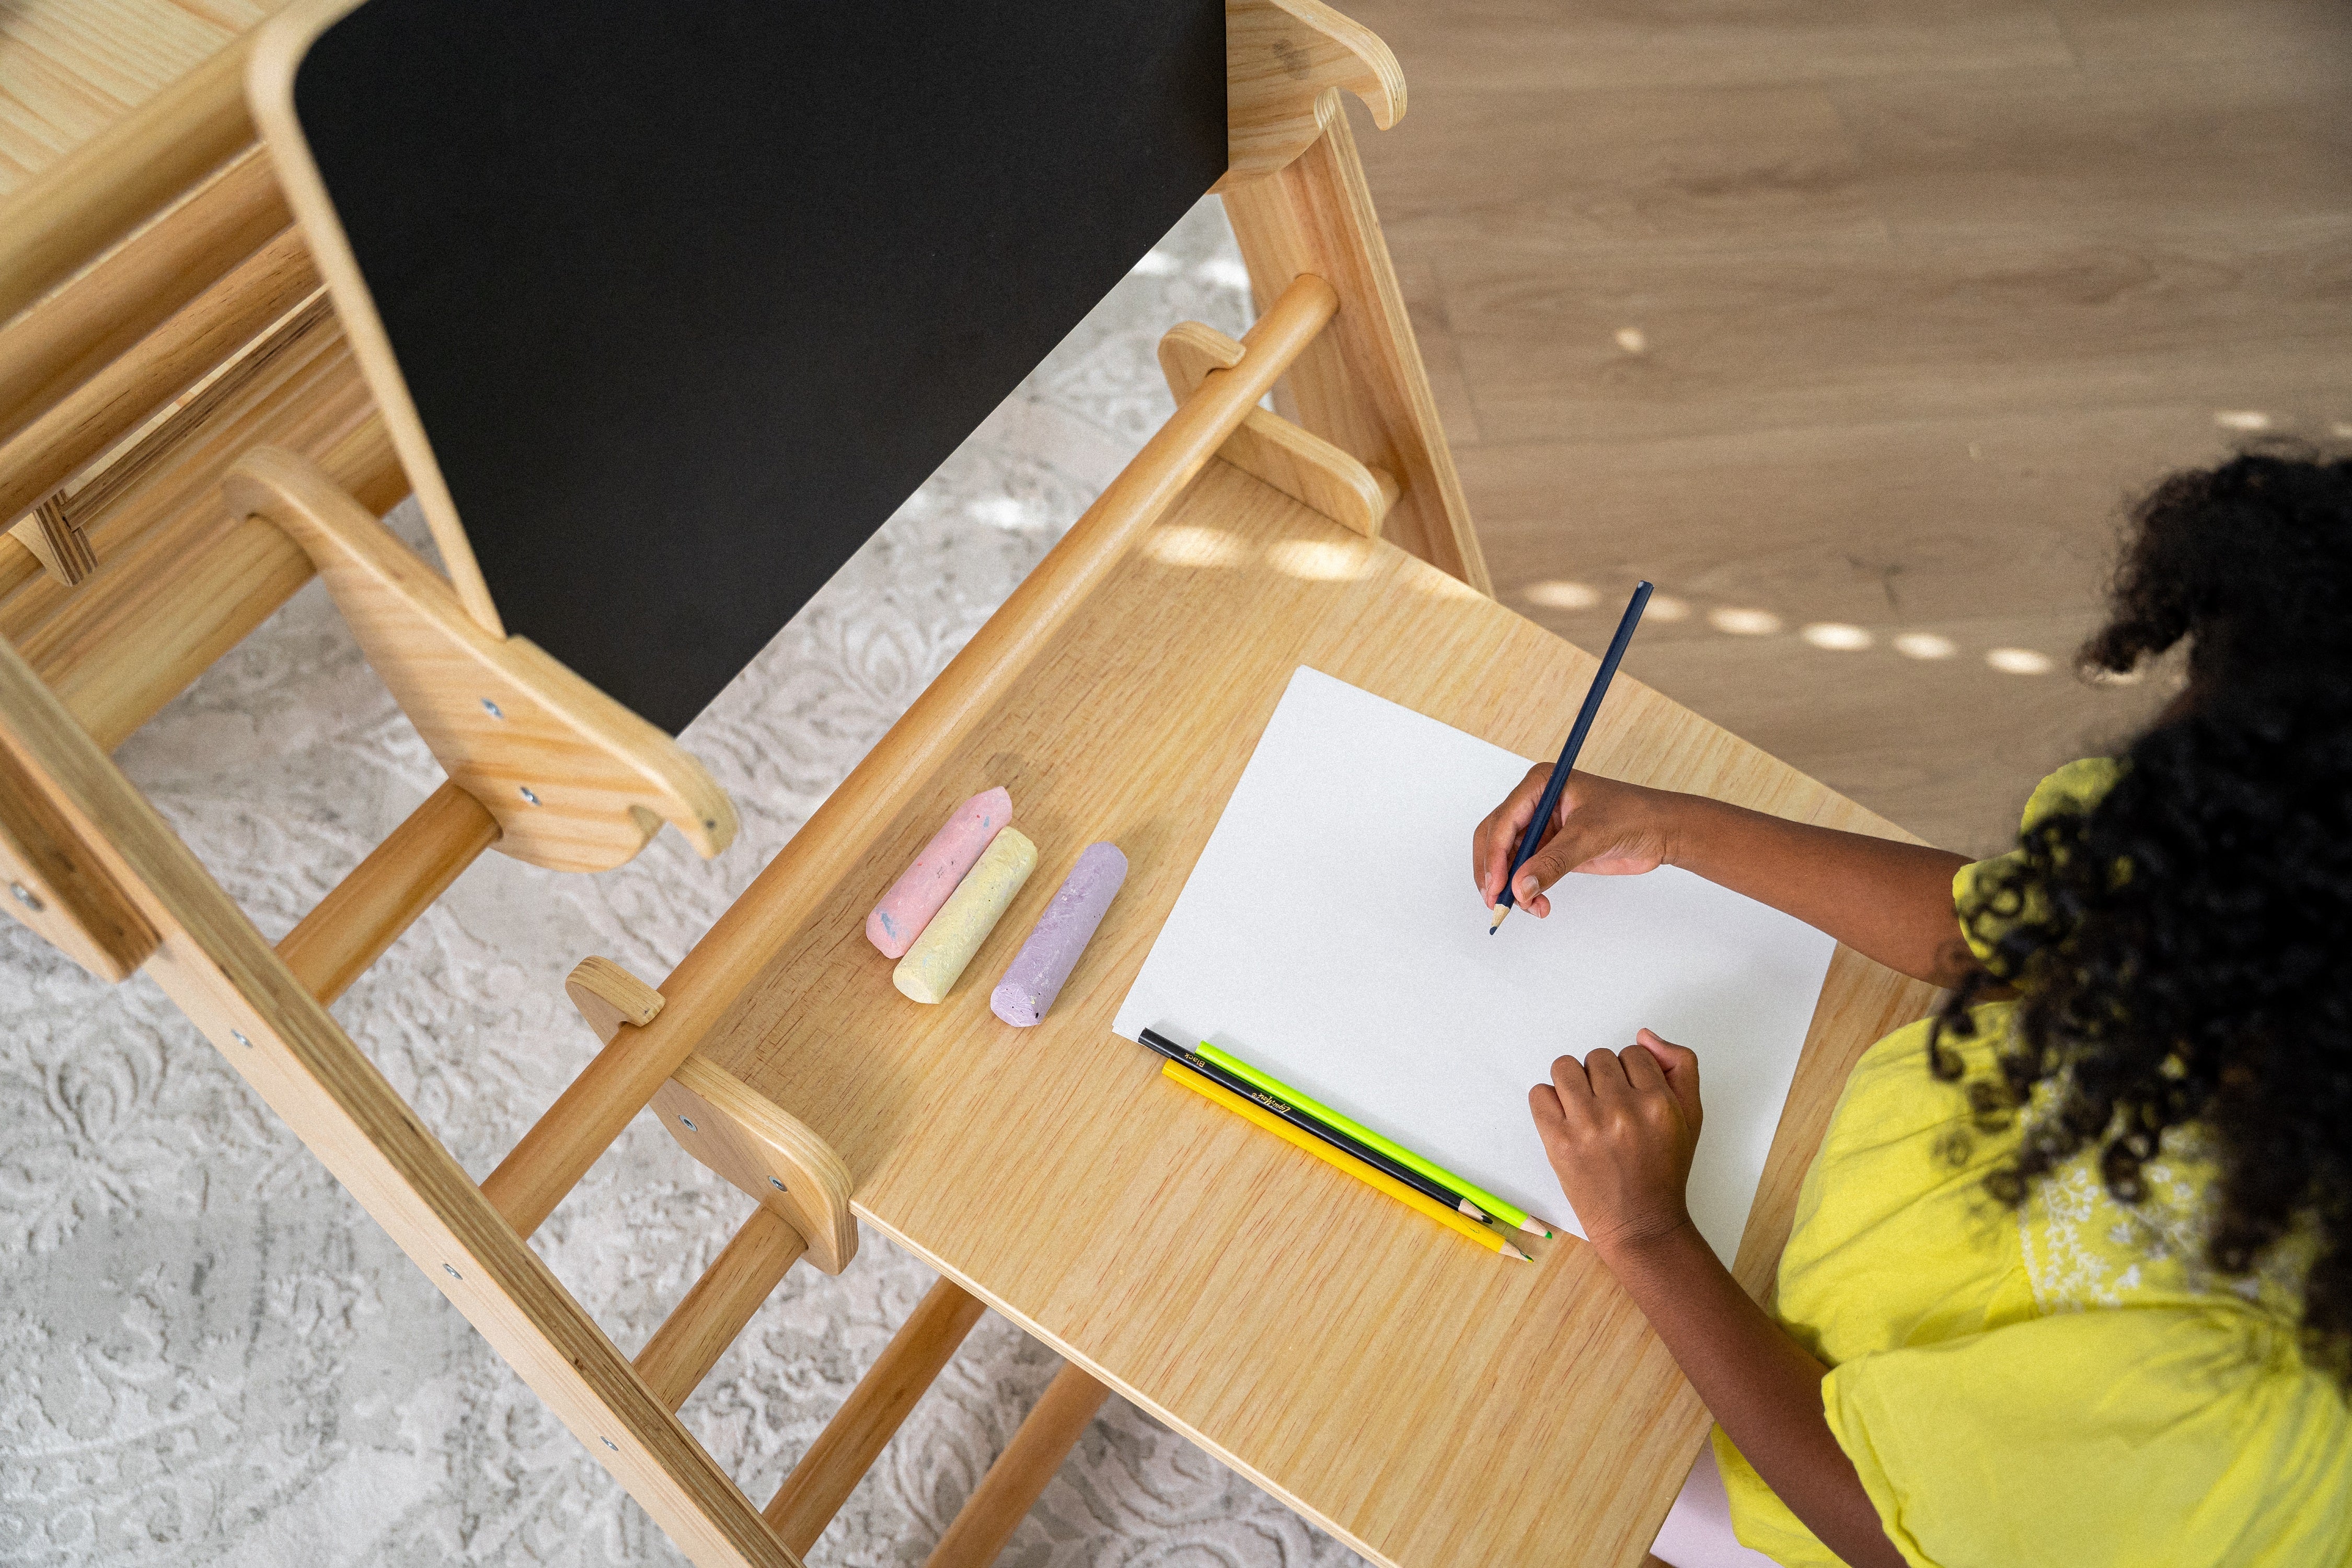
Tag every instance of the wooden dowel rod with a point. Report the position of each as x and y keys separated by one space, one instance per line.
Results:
x=702 y=1325
x=586 y=1119
x=367 y=910
x=872 y=1414
x=64 y=339
x=996 y=1509
x=71 y=212
x=175 y=356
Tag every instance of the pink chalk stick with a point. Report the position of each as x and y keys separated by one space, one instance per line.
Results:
x=924 y=886
x=1062 y=931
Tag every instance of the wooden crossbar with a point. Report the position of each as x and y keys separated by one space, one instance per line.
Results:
x=63 y=340
x=115 y=402
x=335 y=942
x=71 y=212
x=872 y=1414
x=1018 y=1479
x=584 y=1119
x=702 y=1326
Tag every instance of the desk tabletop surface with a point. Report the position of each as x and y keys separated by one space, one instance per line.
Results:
x=1423 y=1399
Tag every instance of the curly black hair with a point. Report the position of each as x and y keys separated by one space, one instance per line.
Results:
x=2182 y=948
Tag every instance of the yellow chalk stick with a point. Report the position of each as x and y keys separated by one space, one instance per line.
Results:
x=928 y=971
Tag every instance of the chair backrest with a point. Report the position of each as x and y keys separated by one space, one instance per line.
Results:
x=674 y=306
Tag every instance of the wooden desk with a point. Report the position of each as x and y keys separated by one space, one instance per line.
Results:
x=1422 y=1399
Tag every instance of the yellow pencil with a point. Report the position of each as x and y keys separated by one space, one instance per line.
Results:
x=1381 y=1180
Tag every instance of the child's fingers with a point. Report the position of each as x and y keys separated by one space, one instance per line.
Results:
x=1496 y=839
x=1678 y=1065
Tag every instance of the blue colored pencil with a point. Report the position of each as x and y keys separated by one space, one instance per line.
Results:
x=1574 y=743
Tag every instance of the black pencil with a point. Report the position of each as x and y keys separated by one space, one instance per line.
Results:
x=1167 y=1047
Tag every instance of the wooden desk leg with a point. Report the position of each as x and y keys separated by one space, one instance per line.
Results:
x=1019 y=1476
x=870 y=1417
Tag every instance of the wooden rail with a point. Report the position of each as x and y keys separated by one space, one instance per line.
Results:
x=115 y=402
x=334 y=944
x=69 y=213
x=996 y=1509
x=69 y=335
x=871 y=1415
x=700 y=1327
x=584 y=1119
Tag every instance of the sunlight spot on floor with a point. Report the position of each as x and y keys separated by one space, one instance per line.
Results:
x=1184 y=545
x=2341 y=430
x=1836 y=636
x=1924 y=644
x=1157 y=264
x=1560 y=595
x=2095 y=676
x=1317 y=560
x=2242 y=419
x=2019 y=661
x=1631 y=340
x=1009 y=513
x=1743 y=623
x=1667 y=607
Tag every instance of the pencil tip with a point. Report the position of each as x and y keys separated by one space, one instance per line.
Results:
x=1516 y=1253
x=1496 y=923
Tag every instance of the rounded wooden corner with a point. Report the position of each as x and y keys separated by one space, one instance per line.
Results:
x=765 y=1152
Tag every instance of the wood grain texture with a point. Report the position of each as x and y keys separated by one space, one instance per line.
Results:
x=1362 y=387
x=608 y=997
x=769 y=1155
x=61 y=341
x=825 y=1476
x=1281 y=56
x=57 y=887
x=220 y=972
x=706 y=1321
x=73 y=210
x=1520 y=1413
x=365 y=913
x=120 y=398
x=1301 y=464
x=986 y=1522
x=50 y=534
x=277 y=48
x=576 y=781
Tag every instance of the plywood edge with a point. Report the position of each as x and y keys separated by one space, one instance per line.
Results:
x=225 y=976
x=277 y=49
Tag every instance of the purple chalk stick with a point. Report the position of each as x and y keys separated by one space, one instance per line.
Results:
x=1062 y=931
x=924 y=886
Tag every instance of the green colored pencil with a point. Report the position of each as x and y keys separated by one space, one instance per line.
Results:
x=1363 y=1134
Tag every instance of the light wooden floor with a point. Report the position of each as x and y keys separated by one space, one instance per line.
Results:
x=1864 y=315
x=1856 y=315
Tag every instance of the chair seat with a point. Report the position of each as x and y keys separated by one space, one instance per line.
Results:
x=1321 y=1338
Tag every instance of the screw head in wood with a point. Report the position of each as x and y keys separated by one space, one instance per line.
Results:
x=24 y=895
x=778 y=1186
x=491 y=708
x=528 y=795
x=452 y=1273
x=687 y=1122
x=608 y=1442
x=238 y=1035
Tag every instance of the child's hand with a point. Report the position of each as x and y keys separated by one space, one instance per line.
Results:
x=1602 y=828
x=1621 y=1131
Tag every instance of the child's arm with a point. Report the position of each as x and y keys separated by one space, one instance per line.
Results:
x=1890 y=902
x=1620 y=1131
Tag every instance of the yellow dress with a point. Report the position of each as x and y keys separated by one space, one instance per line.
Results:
x=2067 y=1383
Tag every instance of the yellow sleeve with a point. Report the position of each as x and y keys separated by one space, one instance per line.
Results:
x=2128 y=1438
x=2076 y=785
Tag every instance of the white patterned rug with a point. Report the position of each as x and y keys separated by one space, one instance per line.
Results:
x=208 y=1353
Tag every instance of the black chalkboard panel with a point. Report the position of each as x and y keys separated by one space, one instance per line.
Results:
x=690 y=296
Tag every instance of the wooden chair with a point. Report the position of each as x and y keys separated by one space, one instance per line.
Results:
x=184 y=439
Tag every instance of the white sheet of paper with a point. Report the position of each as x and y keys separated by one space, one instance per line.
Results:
x=1330 y=936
